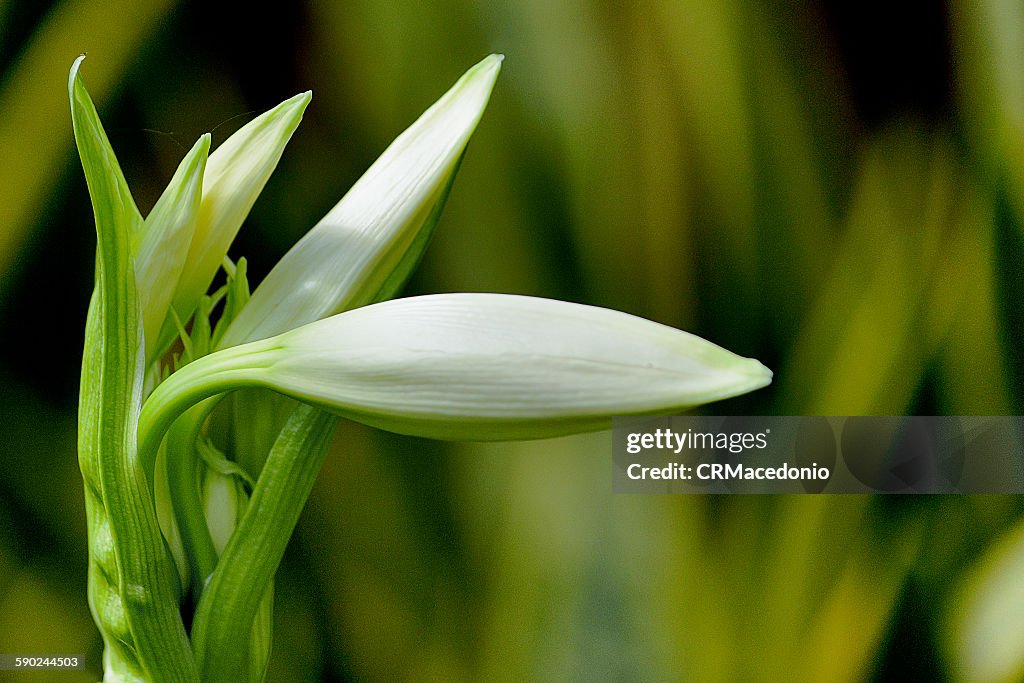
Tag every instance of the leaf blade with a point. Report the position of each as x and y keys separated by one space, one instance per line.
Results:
x=140 y=614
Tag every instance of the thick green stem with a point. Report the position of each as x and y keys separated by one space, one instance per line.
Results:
x=223 y=622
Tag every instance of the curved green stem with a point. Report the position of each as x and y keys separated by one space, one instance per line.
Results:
x=214 y=374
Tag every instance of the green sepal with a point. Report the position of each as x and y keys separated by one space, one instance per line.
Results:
x=237 y=296
x=183 y=484
x=133 y=584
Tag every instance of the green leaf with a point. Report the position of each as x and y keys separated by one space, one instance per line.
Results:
x=132 y=585
x=33 y=136
x=117 y=217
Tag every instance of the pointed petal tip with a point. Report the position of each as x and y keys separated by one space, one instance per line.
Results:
x=737 y=377
x=755 y=375
x=761 y=372
x=475 y=84
x=73 y=75
x=295 y=106
x=490 y=63
x=487 y=69
x=301 y=100
x=199 y=153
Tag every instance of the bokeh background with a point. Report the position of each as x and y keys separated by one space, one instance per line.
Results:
x=836 y=189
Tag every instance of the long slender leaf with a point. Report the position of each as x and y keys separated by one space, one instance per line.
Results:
x=133 y=589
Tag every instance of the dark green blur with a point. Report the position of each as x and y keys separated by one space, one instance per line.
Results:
x=837 y=192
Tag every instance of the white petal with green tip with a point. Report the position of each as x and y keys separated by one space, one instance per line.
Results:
x=347 y=257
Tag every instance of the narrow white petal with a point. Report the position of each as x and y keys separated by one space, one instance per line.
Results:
x=235 y=175
x=348 y=256
x=164 y=241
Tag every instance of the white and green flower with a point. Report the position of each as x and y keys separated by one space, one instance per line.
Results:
x=179 y=520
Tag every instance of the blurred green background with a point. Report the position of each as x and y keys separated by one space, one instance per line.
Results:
x=836 y=189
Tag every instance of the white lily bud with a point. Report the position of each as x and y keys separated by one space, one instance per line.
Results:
x=235 y=175
x=224 y=503
x=379 y=227
x=475 y=367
